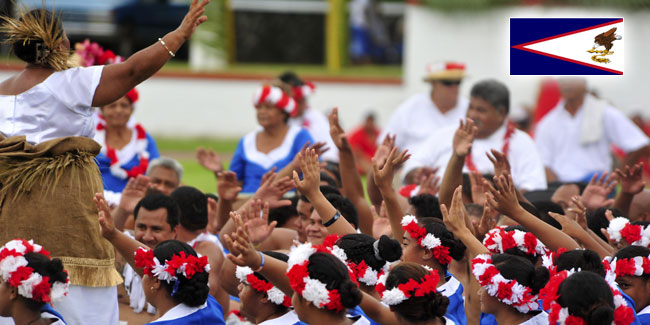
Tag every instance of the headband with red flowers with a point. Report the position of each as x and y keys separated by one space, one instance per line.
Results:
x=30 y=284
x=412 y=288
x=187 y=265
x=498 y=240
x=623 y=315
x=313 y=290
x=621 y=228
x=636 y=266
x=276 y=97
x=304 y=91
x=276 y=296
x=509 y=292
x=133 y=95
x=358 y=272
x=549 y=261
x=92 y=53
x=426 y=240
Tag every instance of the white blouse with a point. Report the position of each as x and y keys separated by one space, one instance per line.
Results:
x=60 y=106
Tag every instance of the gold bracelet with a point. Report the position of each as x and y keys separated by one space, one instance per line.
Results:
x=166 y=48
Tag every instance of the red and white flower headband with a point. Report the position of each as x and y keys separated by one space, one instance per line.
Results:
x=412 y=288
x=498 y=240
x=510 y=292
x=304 y=91
x=16 y=273
x=276 y=296
x=621 y=228
x=187 y=265
x=623 y=315
x=636 y=266
x=359 y=272
x=139 y=149
x=312 y=290
x=426 y=240
x=277 y=97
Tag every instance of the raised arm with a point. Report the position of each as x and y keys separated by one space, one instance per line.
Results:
x=350 y=176
x=118 y=79
x=310 y=187
x=631 y=184
x=380 y=158
x=384 y=180
x=135 y=190
x=462 y=146
x=377 y=311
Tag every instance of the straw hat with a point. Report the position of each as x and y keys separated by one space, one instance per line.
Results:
x=445 y=71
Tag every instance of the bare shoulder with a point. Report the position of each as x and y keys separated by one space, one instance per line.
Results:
x=209 y=249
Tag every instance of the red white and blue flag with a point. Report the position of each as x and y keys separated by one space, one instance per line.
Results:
x=566 y=46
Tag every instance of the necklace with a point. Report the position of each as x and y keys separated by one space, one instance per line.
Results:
x=510 y=130
x=140 y=150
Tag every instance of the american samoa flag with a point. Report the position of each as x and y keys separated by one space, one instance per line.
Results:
x=566 y=46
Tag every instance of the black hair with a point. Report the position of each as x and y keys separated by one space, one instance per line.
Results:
x=518 y=268
x=585 y=260
x=155 y=202
x=325 y=189
x=437 y=228
x=597 y=220
x=494 y=92
x=426 y=206
x=335 y=169
x=633 y=251
x=544 y=207
x=26 y=50
x=282 y=214
x=281 y=257
x=212 y=196
x=518 y=252
x=46 y=267
x=588 y=296
x=325 y=177
x=360 y=247
x=345 y=206
x=641 y=223
x=330 y=270
x=416 y=309
x=192 y=292
x=193 y=207
x=291 y=78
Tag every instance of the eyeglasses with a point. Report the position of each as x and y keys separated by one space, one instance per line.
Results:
x=450 y=83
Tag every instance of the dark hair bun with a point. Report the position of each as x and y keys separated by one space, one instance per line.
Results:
x=539 y=279
x=55 y=271
x=389 y=249
x=193 y=292
x=438 y=305
x=350 y=294
x=603 y=314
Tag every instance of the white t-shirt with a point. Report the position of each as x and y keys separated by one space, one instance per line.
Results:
x=287 y=319
x=60 y=106
x=318 y=127
x=558 y=139
x=525 y=163
x=539 y=319
x=417 y=117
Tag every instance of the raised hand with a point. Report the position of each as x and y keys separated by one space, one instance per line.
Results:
x=500 y=162
x=256 y=220
x=488 y=221
x=135 y=190
x=631 y=179
x=429 y=185
x=336 y=131
x=569 y=226
x=577 y=211
x=310 y=183
x=464 y=137
x=272 y=189
x=595 y=194
x=384 y=175
x=384 y=150
x=477 y=182
x=318 y=147
x=227 y=186
x=455 y=218
x=106 y=224
x=209 y=160
x=193 y=18
x=241 y=245
x=503 y=198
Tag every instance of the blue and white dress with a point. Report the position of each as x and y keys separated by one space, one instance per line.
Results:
x=453 y=290
x=644 y=316
x=209 y=313
x=250 y=164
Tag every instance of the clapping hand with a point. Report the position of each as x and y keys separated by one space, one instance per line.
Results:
x=631 y=179
x=464 y=137
x=595 y=194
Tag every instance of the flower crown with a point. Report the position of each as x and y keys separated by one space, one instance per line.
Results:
x=358 y=272
x=498 y=240
x=636 y=266
x=277 y=97
x=549 y=260
x=276 y=296
x=510 y=292
x=30 y=284
x=91 y=53
x=306 y=90
x=633 y=234
x=187 y=265
x=412 y=288
x=623 y=314
x=313 y=290
x=426 y=240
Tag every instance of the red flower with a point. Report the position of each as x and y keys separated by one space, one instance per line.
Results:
x=623 y=315
x=286 y=302
x=380 y=288
x=487 y=276
x=22 y=273
x=9 y=252
x=195 y=265
x=530 y=242
x=625 y=267
x=554 y=313
x=631 y=233
x=258 y=284
x=330 y=240
x=441 y=253
x=296 y=276
x=144 y=258
x=573 y=320
x=415 y=231
x=428 y=284
x=41 y=291
x=335 y=301
x=549 y=292
x=504 y=290
x=646 y=265
x=507 y=241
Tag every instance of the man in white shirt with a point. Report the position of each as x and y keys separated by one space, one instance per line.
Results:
x=574 y=139
x=488 y=109
x=314 y=121
x=423 y=113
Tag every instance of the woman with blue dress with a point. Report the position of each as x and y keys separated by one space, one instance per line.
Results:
x=274 y=144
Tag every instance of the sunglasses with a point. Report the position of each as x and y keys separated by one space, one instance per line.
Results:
x=449 y=83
